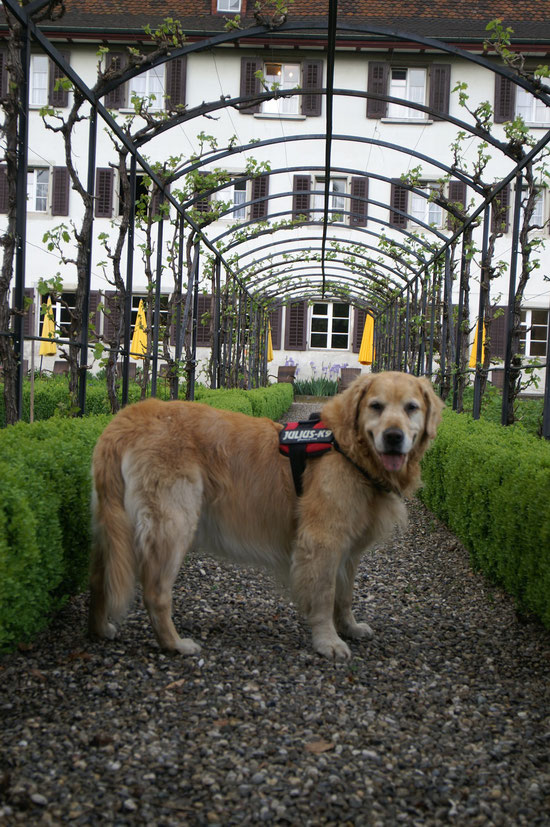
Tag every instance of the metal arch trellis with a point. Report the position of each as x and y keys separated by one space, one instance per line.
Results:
x=411 y=294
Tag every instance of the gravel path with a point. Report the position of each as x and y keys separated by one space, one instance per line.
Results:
x=442 y=719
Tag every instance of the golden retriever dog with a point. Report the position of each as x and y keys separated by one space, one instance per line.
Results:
x=169 y=476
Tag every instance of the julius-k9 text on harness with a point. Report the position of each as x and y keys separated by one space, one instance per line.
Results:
x=300 y=441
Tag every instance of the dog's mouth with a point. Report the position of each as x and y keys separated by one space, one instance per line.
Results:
x=393 y=461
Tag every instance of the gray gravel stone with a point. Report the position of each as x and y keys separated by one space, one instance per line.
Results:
x=443 y=718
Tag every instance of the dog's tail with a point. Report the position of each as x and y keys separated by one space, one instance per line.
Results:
x=112 y=567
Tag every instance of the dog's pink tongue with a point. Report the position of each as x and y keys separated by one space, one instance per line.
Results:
x=392 y=462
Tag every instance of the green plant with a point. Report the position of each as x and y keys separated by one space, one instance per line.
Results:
x=318 y=386
x=490 y=485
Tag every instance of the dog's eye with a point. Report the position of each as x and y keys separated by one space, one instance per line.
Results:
x=411 y=407
x=376 y=406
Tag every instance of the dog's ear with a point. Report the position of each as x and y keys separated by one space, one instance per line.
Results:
x=434 y=407
x=345 y=408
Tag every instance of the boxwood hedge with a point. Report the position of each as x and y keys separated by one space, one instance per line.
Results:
x=44 y=508
x=491 y=486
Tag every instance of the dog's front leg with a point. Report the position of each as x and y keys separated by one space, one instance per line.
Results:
x=313 y=580
x=343 y=614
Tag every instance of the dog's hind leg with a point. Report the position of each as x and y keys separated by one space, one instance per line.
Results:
x=165 y=534
x=343 y=614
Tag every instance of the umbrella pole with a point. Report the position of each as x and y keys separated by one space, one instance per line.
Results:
x=31 y=416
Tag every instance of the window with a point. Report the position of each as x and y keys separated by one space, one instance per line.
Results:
x=39 y=80
x=425 y=210
x=534 y=332
x=62 y=307
x=337 y=202
x=149 y=85
x=428 y=86
x=537 y=219
x=530 y=108
x=239 y=198
x=308 y=75
x=282 y=76
x=330 y=325
x=37 y=189
x=232 y=6
x=409 y=84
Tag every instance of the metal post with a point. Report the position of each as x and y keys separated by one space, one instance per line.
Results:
x=407 y=330
x=216 y=323
x=156 y=315
x=195 y=322
x=511 y=299
x=129 y=285
x=483 y=290
x=546 y=405
x=458 y=345
x=83 y=371
x=447 y=316
x=21 y=221
x=435 y=279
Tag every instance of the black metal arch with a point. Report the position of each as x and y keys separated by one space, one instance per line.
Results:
x=228 y=243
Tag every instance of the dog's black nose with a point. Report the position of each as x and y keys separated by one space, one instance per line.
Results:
x=393 y=439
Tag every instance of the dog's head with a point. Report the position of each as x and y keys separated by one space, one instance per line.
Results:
x=394 y=416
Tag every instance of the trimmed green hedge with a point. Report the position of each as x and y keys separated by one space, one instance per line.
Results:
x=491 y=486
x=45 y=508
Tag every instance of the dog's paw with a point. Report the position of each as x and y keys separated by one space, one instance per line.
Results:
x=359 y=631
x=333 y=648
x=186 y=646
x=106 y=631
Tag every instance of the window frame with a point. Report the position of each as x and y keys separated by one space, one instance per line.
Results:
x=426 y=187
x=158 y=104
x=319 y=195
x=399 y=112
x=276 y=106
x=32 y=82
x=32 y=190
x=536 y=106
x=330 y=332
x=526 y=327
x=229 y=11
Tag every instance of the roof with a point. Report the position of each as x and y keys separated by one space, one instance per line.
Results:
x=459 y=21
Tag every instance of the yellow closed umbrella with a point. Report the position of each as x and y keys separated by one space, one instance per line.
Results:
x=473 y=354
x=48 y=348
x=269 y=344
x=367 y=350
x=138 y=348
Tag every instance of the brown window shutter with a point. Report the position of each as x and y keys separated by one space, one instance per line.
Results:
x=94 y=314
x=275 y=321
x=103 y=192
x=295 y=328
x=60 y=191
x=204 y=327
x=111 y=319
x=57 y=97
x=312 y=78
x=505 y=99
x=457 y=194
x=3 y=73
x=399 y=201
x=378 y=84
x=30 y=313
x=300 y=200
x=116 y=98
x=3 y=188
x=500 y=211
x=176 y=73
x=358 y=327
x=498 y=334
x=250 y=85
x=359 y=194
x=155 y=201
x=440 y=88
x=260 y=189
x=203 y=204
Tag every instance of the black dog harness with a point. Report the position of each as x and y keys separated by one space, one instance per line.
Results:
x=300 y=441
